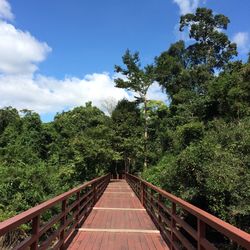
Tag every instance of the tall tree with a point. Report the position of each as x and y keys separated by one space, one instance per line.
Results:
x=212 y=47
x=139 y=80
x=127 y=141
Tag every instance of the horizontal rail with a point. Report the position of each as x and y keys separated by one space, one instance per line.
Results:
x=155 y=199
x=69 y=216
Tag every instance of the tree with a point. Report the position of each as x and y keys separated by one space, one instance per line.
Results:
x=205 y=134
x=170 y=69
x=212 y=47
x=127 y=140
x=229 y=93
x=186 y=73
x=8 y=115
x=139 y=80
x=83 y=141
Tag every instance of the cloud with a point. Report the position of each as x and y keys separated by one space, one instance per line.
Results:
x=45 y=94
x=20 y=51
x=243 y=42
x=5 y=10
x=23 y=88
x=187 y=6
x=155 y=93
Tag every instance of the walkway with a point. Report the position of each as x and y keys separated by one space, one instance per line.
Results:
x=118 y=221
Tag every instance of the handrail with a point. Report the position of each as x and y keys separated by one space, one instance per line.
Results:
x=86 y=196
x=170 y=224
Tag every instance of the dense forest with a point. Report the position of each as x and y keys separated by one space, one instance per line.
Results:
x=197 y=146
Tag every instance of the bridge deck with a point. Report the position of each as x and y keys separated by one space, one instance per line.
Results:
x=118 y=221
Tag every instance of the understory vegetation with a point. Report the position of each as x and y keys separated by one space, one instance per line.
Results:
x=197 y=146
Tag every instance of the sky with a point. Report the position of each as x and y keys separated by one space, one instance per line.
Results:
x=56 y=55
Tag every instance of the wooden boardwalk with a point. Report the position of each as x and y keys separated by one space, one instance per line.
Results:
x=118 y=221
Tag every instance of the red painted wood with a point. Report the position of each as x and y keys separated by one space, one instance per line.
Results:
x=117 y=241
x=120 y=209
x=67 y=222
x=118 y=219
x=154 y=205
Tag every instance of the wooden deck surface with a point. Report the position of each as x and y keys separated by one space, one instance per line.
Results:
x=118 y=221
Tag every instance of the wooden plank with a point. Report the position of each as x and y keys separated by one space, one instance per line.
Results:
x=118 y=230
x=105 y=241
x=119 y=209
x=28 y=215
x=118 y=221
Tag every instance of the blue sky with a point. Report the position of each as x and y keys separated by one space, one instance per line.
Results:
x=59 y=54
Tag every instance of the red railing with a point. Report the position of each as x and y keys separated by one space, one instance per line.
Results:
x=170 y=214
x=70 y=210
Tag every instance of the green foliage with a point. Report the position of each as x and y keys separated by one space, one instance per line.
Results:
x=23 y=186
x=205 y=135
x=7 y=115
x=83 y=140
x=162 y=174
x=138 y=80
x=212 y=47
x=190 y=132
x=39 y=161
x=212 y=172
x=127 y=140
x=230 y=92
x=197 y=147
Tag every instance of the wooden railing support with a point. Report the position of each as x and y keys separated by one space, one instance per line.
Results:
x=142 y=193
x=151 y=199
x=35 y=232
x=173 y=225
x=80 y=208
x=95 y=194
x=159 y=208
x=201 y=226
x=171 y=228
x=63 y=221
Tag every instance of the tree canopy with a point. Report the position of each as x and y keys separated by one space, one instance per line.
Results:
x=197 y=146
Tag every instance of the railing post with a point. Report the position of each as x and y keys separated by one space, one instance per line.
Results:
x=35 y=232
x=173 y=224
x=78 y=206
x=63 y=221
x=159 y=208
x=142 y=193
x=95 y=194
x=201 y=230
x=151 y=199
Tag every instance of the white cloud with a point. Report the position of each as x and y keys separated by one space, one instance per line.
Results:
x=20 y=51
x=22 y=88
x=155 y=93
x=243 y=42
x=187 y=6
x=45 y=95
x=5 y=10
